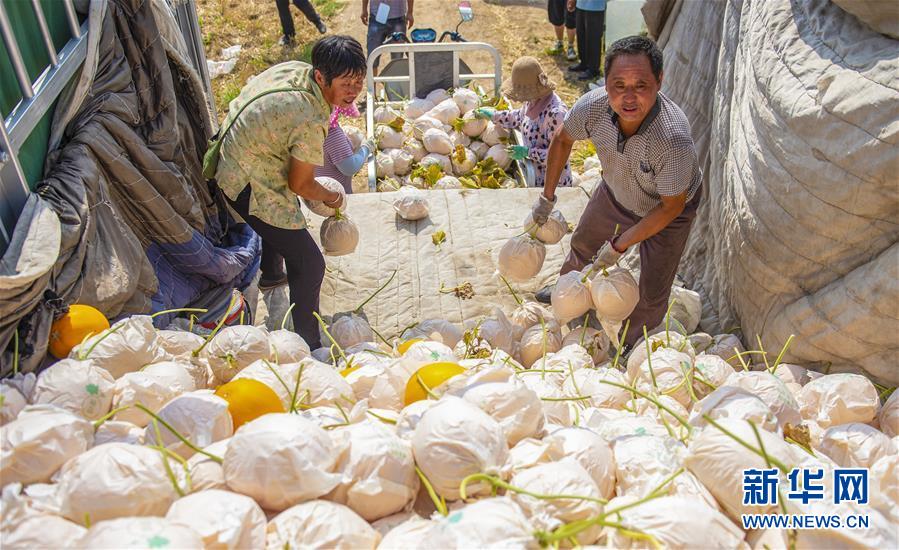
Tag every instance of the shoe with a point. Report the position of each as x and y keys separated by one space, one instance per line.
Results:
x=577 y=68
x=600 y=82
x=322 y=29
x=556 y=49
x=589 y=75
x=286 y=40
x=571 y=55
x=265 y=285
x=544 y=295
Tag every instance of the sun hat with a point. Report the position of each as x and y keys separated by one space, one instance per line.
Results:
x=528 y=81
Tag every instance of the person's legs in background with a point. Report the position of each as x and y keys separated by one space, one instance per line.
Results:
x=580 y=35
x=555 y=9
x=570 y=31
x=594 y=25
x=287 y=29
x=308 y=10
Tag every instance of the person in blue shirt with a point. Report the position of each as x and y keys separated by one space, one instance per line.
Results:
x=590 y=27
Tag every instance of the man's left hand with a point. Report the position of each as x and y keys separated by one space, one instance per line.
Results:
x=607 y=255
x=517 y=152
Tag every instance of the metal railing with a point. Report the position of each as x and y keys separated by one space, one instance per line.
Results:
x=37 y=98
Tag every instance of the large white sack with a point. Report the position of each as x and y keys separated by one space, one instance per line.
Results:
x=39 y=441
x=80 y=387
x=521 y=258
x=378 y=471
x=116 y=480
x=733 y=403
x=126 y=346
x=839 y=399
x=206 y=473
x=675 y=522
x=665 y=371
x=437 y=141
x=11 y=403
x=589 y=383
x=538 y=341
x=516 y=407
x=319 y=207
x=590 y=451
x=320 y=524
x=615 y=295
x=718 y=462
x=496 y=522
x=287 y=346
x=571 y=298
x=140 y=533
x=772 y=391
x=225 y=520
x=454 y=439
x=566 y=477
x=349 y=330
x=417 y=107
x=152 y=387
x=281 y=460
x=42 y=531
x=550 y=232
x=411 y=203
x=233 y=348
x=339 y=236
x=201 y=417
x=855 y=445
x=889 y=416
x=709 y=373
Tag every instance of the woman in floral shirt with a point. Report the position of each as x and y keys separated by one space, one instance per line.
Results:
x=539 y=119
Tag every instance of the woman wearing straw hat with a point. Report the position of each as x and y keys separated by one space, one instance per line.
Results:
x=539 y=119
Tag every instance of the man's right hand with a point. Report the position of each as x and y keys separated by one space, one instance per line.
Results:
x=364 y=16
x=542 y=209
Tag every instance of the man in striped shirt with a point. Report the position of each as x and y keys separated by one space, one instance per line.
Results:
x=651 y=181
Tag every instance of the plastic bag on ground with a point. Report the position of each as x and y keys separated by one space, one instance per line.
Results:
x=281 y=460
x=349 y=330
x=454 y=439
x=233 y=348
x=116 y=480
x=590 y=451
x=39 y=441
x=124 y=347
x=320 y=524
x=200 y=416
x=224 y=520
x=411 y=203
x=80 y=387
x=139 y=533
x=839 y=399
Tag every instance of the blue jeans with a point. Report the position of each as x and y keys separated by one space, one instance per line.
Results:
x=378 y=33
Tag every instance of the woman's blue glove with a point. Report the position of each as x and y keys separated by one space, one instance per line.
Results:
x=517 y=152
x=484 y=113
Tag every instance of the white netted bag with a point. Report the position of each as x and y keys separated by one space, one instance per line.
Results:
x=772 y=391
x=387 y=138
x=718 y=462
x=709 y=373
x=591 y=451
x=571 y=297
x=443 y=161
x=199 y=416
x=614 y=295
x=686 y=307
x=287 y=346
x=349 y=330
x=40 y=440
x=566 y=477
x=321 y=385
x=855 y=445
x=339 y=235
x=437 y=141
x=355 y=135
x=423 y=124
x=417 y=107
x=500 y=155
x=80 y=387
x=733 y=403
x=666 y=371
x=11 y=403
x=454 y=439
x=124 y=347
x=41 y=531
x=888 y=417
x=319 y=207
x=206 y=473
x=223 y=519
x=839 y=399
x=446 y=111
x=466 y=99
x=378 y=471
x=515 y=406
x=411 y=203
x=320 y=524
x=116 y=480
x=479 y=148
x=675 y=522
x=152 y=387
x=593 y=341
x=550 y=232
x=233 y=348
x=538 y=341
x=490 y=523
x=493 y=133
x=528 y=314
x=139 y=533
x=521 y=258
x=280 y=460
x=473 y=126
x=590 y=383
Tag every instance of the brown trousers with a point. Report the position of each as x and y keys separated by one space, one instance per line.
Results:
x=659 y=254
